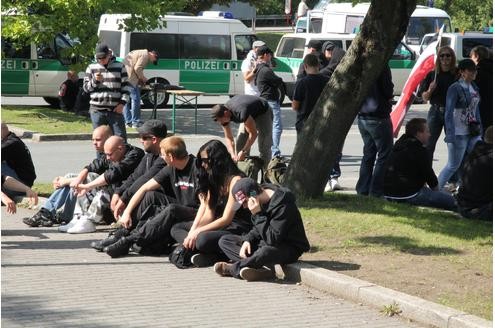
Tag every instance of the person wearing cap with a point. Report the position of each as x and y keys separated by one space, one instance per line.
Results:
x=461 y=115
x=151 y=133
x=151 y=212
x=135 y=62
x=269 y=86
x=248 y=70
x=107 y=84
x=256 y=118
x=314 y=47
x=277 y=236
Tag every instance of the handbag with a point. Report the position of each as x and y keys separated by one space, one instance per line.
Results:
x=181 y=257
x=474 y=128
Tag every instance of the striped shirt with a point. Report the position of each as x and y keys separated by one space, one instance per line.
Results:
x=114 y=88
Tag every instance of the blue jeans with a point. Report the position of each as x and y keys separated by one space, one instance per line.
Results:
x=456 y=151
x=378 y=141
x=435 y=122
x=64 y=196
x=132 y=110
x=277 y=126
x=431 y=198
x=8 y=171
x=114 y=120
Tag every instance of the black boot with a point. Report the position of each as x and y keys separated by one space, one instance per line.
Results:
x=119 y=248
x=112 y=238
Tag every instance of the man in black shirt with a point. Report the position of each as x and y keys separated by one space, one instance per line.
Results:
x=256 y=118
x=68 y=91
x=152 y=230
x=16 y=160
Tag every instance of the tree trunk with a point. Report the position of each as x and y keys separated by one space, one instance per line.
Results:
x=327 y=126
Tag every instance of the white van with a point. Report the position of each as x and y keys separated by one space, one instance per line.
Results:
x=462 y=43
x=346 y=18
x=292 y=48
x=198 y=53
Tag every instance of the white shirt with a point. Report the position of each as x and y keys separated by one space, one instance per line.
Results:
x=248 y=65
x=302 y=9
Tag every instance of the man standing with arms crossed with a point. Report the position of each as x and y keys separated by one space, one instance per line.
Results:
x=135 y=62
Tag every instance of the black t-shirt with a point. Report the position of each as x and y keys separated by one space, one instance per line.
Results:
x=439 y=95
x=307 y=91
x=18 y=158
x=243 y=106
x=68 y=94
x=183 y=182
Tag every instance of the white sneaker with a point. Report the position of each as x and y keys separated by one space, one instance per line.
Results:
x=73 y=222
x=334 y=185
x=328 y=187
x=83 y=225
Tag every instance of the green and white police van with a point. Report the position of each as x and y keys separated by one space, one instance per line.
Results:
x=35 y=70
x=198 y=53
x=292 y=48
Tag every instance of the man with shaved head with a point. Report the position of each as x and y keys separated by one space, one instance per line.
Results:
x=64 y=195
x=120 y=160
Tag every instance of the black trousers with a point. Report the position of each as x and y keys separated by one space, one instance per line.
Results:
x=152 y=203
x=262 y=254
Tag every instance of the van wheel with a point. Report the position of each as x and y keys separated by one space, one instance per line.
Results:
x=162 y=96
x=53 y=102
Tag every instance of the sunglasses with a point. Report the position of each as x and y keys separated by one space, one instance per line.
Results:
x=204 y=160
x=444 y=56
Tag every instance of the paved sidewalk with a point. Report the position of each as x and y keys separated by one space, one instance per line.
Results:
x=51 y=279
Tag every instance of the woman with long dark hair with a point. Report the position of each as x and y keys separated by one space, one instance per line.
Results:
x=219 y=214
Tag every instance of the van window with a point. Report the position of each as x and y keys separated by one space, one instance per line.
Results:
x=292 y=48
x=11 y=50
x=470 y=43
x=419 y=26
x=198 y=46
x=402 y=53
x=112 y=39
x=353 y=24
x=243 y=45
x=165 y=44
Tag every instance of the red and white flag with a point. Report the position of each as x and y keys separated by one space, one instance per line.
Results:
x=424 y=64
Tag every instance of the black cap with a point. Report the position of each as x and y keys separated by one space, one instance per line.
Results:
x=328 y=45
x=156 y=128
x=154 y=52
x=466 y=64
x=245 y=188
x=101 y=51
x=316 y=44
x=263 y=50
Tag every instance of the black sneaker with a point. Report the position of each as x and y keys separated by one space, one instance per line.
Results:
x=118 y=249
x=43 y=218
x=204 y=260
x=251 y=274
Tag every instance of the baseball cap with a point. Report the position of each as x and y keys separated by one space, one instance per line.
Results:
x=102 y=51
x=263 y=50
x=155 y=62
x=258 y=43
x=243 y=189
x=314 y=44
x=156 y=128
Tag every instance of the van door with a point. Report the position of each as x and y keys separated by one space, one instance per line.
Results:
x=205 y=62
x=243 y=44
x=16 y=63
x=401 y=64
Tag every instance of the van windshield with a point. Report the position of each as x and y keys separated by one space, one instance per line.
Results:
x=419 y=26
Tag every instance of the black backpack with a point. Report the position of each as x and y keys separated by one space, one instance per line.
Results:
x=181 y=257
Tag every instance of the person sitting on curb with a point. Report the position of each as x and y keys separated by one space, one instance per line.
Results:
x=121 y=159
x=277 y=236
x=64 y=196
x=408 y=169
x=475 y=196
x=15 y=185
x=150 y=231
x=256 y=117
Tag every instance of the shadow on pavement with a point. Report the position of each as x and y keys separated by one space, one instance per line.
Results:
x=335 y=265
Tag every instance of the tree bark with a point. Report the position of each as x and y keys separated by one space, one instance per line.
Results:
x=328 y=124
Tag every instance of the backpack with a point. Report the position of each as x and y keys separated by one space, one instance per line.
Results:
x=251 y=167
x=275 y=171
x=181 y=257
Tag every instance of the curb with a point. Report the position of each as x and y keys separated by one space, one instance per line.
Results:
x=361 y=291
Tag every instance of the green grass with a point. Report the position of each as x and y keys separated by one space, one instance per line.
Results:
x=45 y=120
x=403 y=247
x=43 y=189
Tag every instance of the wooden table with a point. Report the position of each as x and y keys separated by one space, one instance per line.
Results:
x=185 y=98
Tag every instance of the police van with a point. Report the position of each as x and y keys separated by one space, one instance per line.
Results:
x=461 y=43
x=292 y=48
x=198 y=53
x=35 y=70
